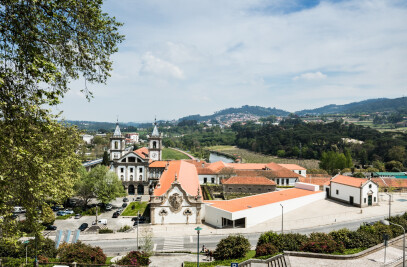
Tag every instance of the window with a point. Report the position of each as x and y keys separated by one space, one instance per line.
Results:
x=140 y=170
x=121 y=169
x=141 y=177
x=116 y=145
x=205 y=180
x=374 y=199
x=213 y=180
x=154 y=144
x=278 y=181
x=131 y=169
x=299 y=172
x=370 y=186
x=240 y=189
x=230 y=188
x=364 y=200
x=282 y=181
x=287 y=181
x=337 y=191
x=122 y=177
x=131 y=177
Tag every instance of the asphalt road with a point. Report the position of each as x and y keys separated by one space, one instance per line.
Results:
x=189 y=243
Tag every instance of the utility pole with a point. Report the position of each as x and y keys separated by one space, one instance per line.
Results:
x=138 y=218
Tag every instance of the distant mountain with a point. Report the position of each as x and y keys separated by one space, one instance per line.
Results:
x=366 y=106
x=248 y=110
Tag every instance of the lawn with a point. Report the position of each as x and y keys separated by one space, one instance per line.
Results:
x=249 y=255
x=134 y=207
x=171 y=154
x=252 y=157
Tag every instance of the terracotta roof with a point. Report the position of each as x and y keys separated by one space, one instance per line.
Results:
x=216 y=166
x=347 y=180
x=196 y=163
x=203 y=171
x=186 y=176
x=315 y=180
x=246 y=166
x=260 y=200
x=292 y=167
x=142 y=152
x=390 y=182
x=274 y=166
x=158 y=164
x=247 y=180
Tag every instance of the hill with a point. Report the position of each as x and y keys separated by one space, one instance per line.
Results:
x=244 y=110
x=366 y=106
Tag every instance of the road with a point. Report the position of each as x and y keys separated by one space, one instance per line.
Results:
x=189 y=243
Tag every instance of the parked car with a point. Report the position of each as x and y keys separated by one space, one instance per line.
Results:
x=83 y=226
x=78 y=216
x=51 y=227
x=138 y=198
x=140 y=218
x=68 y=211
x=18 y=210
x=124 y=205
x=116 y=215
x=125 y=199
x=102 y=221
x=57 y=207
x=109 y=207
x=61 y=213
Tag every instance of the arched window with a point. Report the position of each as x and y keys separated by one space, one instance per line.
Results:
x=154 y=144
x=141 y=177
x=122 y=177
x=116 y=145
x=131 y=177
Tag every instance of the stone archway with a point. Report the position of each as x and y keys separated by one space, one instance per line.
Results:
x=140 y=189
x=131 y=189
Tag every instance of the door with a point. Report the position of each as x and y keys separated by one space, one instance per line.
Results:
x=351 y=200
x=369 y=200
x=131 y=189
x=327 y=192
x=140 y=189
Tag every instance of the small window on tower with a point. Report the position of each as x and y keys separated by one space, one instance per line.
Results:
x=121 y=169
x=116 y=145
x=140 y=169
x=141 y=177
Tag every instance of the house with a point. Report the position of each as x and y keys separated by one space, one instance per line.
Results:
x=295 y=168
x=248 y=185
x=360 y=192
x=87 y=138
x=316 y=179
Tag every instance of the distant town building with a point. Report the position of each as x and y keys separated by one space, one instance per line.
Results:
x=87 y=138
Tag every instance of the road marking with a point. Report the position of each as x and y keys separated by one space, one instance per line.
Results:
x=173 y=243
x=190 y=239
x=155 y=247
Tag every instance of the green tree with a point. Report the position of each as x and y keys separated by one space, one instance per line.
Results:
x=105 y=160
x=232 y=247
x=397 y=153
x=44 y=45
x=379 y=165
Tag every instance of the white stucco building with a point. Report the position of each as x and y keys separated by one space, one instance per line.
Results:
x=358 y=192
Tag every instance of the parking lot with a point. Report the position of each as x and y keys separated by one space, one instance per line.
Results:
x=112 y=223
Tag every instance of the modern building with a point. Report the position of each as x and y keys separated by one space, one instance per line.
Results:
x=358 y=192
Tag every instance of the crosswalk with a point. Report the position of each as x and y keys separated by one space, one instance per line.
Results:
x=173 y=243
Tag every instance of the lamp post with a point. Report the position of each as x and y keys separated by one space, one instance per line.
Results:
x=198 y=229
x=386 y=222
x=282 y=218
x=138 y=218
x=389 y=204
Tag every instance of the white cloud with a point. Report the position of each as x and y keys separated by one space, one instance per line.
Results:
x=311 y=76
x=155 y=66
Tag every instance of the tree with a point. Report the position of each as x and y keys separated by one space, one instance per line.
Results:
x=43 y=45
x=397 y=153
x=105 y=160
x=147 y=243
x=232 y=247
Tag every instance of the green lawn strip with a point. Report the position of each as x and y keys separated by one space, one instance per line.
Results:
x=138 y=206
x=108 y=260
x=249 y=255
x=64 y=217
x=349 y=251
x=169 y=153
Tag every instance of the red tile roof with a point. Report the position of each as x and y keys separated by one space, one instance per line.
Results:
x=245 y=180
x=292 y=167
x=246 y=166
x=158 y=164
x=391 y=182
x=347 y=180
x=186 y=176
x=239 y=204
x=315 y=180
x=142 y=152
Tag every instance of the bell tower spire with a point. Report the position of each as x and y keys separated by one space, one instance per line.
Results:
x=155 y=143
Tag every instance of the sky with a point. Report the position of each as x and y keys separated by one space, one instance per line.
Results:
x=185 y=57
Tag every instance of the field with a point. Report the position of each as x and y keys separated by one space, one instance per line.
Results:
x=171 y=154
x=252 y=157
x=133 y=207
x=381 y=127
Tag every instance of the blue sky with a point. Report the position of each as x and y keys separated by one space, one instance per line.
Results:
x=184 y=57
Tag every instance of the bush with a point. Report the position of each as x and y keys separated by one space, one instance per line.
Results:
x=123 y=229
x=265 y=250
x=270 y=238
x=342 y=235
x=291 y=241
x=231 y=247
x=81 y=253
x=105 y=231
x=361 y=239
x=9 y=248
x=328 y=246
x=135 y=258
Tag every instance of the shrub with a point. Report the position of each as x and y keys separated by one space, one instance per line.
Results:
x=265 y=250
x=291 y=241
x=135 y=258
x=231 y=247
x=9 y=248
x=342 y=235
x=81 y=253
x=361 y=239
x=105 y=231
x=123 y=229
x=270 y=238
x=325 y=246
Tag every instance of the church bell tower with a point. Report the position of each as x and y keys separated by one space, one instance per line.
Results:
x=117 y=144
x=155 y=144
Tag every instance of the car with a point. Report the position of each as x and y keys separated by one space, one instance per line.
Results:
x=115 y=215
x=68 y=211
x=369 y=223
x=83 y=226
x=138 y=198
x=140 y=218
x=14 y=216
x=124 y=205
x=102 y=221
x=57 y=207
x=78 y=216
x=51 y=227
x=61 y=213
x=125 y=199
x=108 y=207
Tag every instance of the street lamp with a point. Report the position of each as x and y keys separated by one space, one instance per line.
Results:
x=138 y=218
x=282 y=218
x=389 y=204
x=198 y=229
x=386 y=222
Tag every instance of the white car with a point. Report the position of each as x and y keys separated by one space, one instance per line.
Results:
x=68 y=211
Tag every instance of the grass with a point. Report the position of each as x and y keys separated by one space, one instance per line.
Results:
x=134 y=207
x=249 y=255
x=108 y=260
x=169 y=154
x=252 y=157
x=349 y=251
x=64 y=217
